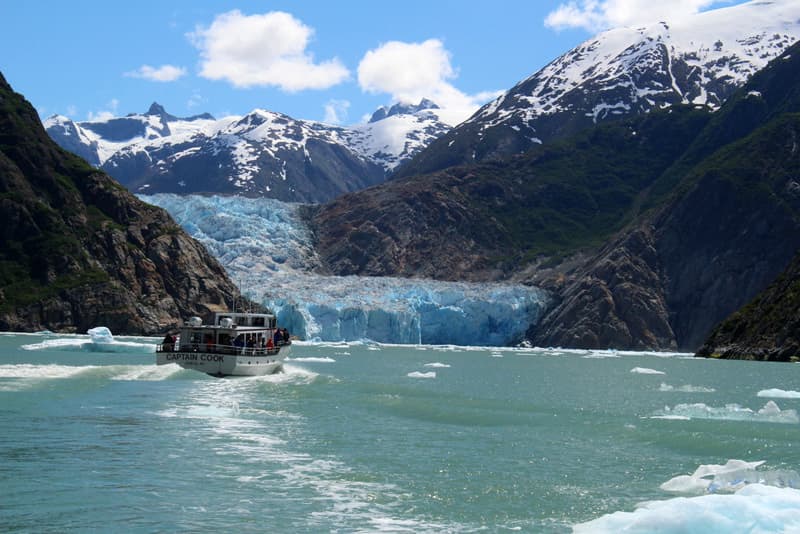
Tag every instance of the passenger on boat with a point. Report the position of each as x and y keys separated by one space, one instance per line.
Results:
x=277 y=338
x=168 y=345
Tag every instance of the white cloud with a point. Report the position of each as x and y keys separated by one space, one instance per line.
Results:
x=195 y=101
x=105 y=114
x=596 y=15
x=164 y=73
x=412 y=71
x=263 y=50
x=336 y=111
x=408 y=71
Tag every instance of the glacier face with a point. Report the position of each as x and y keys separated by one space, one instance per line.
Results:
x=267 y=249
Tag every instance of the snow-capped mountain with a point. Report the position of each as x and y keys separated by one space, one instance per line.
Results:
x=623 y=72
x=260 y=154
x=395 y=135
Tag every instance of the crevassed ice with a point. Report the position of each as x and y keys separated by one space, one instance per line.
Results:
x=268 y=251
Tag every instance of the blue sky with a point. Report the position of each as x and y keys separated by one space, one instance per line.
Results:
x=320 y=60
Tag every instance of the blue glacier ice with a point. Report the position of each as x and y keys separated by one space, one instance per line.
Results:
x=268 y=251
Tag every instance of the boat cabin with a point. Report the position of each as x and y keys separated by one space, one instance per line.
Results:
x=230 y=333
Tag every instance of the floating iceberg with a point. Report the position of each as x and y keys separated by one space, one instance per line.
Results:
x=417 y=374
x=687 y=388
x=734 y=497
x=100 y=340
x=268 y=250
x=779 y=394
x=729 y=478
x=754 y=508
x=646 y=371
x=770 y=413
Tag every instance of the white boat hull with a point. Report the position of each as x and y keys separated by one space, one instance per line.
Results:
x=226 y=364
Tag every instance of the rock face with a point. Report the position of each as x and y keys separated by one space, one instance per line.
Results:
x=77 y=250
x=491 y=220
x=616 y=300
x=767 y=328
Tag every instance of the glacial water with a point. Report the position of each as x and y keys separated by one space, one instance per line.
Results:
x=363 y=437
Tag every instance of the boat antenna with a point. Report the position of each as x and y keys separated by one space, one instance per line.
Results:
x=234 y=296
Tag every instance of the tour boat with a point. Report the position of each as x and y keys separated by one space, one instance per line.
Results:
x=234 y=344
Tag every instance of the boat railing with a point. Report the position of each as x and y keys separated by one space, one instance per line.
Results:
x=213 y=348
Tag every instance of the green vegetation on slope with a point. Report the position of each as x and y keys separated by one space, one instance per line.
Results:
x=576 y=193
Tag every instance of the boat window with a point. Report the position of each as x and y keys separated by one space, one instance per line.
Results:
x=258 y=321
x=195 y=337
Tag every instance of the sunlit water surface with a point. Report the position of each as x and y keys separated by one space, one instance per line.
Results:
x=376 y=438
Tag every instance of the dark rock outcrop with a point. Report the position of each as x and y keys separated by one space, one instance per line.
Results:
x=709 y=251
x=767 y=328
x=615 y=301
x=78 y=250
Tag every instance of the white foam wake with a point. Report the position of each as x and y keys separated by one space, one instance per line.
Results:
x=25 y=370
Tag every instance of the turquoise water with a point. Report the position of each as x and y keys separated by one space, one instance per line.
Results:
x=375 y=438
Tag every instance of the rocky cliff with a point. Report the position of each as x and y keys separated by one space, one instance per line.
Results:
x=77 y=250
x=492 y=220
x=668 y=281
x=724 y=221
x=767 y=328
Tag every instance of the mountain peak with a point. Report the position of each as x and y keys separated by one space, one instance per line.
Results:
x=699 y=60
x=402 y=109
x=156 y=109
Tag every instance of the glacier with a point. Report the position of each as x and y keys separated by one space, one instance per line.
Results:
x=268 y=251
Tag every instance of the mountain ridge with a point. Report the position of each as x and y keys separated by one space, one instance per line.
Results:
x=619 y=73
x=78 y=250
x=262 y=153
